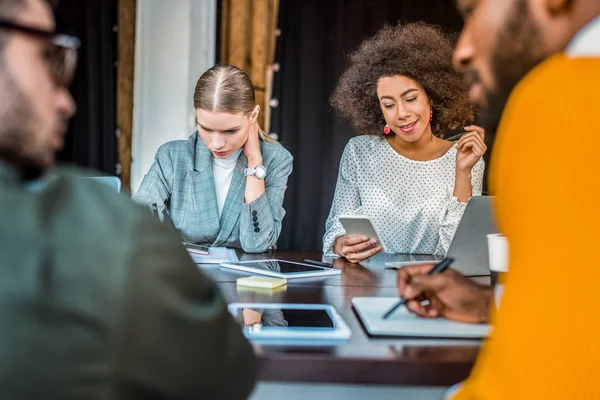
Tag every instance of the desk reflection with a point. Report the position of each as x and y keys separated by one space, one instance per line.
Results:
x=259 y=317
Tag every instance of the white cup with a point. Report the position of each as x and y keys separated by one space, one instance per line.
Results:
x=498 y=252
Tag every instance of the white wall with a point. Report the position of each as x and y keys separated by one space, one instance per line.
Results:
x=175 y=43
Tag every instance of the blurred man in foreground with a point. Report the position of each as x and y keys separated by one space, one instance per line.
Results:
x=98 y=300
x=544 y=344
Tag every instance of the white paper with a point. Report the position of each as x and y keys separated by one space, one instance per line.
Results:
x=403 y=323
x=217 y=255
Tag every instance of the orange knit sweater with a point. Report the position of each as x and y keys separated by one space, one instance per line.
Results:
x=545 y=175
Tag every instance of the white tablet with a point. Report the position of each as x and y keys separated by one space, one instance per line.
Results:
x=361 y=225
x=291 y=324
x=281 y=268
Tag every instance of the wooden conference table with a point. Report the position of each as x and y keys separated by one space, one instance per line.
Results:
x=362 y=360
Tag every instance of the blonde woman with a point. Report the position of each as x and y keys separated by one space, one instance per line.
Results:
x=224 y=186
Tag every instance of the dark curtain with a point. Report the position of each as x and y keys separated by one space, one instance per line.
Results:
x=91 y=140
x=316 y=38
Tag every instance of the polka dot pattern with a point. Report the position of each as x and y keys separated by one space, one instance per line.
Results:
x=410 y=202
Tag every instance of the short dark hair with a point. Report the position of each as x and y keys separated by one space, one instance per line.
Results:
x=11 y=8
x=8 y=10
x=418 y=51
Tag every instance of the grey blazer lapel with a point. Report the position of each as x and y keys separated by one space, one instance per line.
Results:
x=202 y=193
x=233 y=202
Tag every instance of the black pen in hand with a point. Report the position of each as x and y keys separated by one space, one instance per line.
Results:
x=439 y=267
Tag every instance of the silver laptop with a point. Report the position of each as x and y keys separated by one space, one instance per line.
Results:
x=469 y=245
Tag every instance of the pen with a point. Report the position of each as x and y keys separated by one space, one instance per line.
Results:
x=440 y=267
x=155 y=211
x=456 y=137
x=319 y=263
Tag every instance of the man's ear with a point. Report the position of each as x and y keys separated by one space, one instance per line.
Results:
x=254 y=115
x=558 y=7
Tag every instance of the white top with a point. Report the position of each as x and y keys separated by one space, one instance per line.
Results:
x=223 y=172
x=587 y=41
x=410 y=202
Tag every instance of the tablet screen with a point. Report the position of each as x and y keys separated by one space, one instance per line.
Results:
x=308 y=318
x=281 y=266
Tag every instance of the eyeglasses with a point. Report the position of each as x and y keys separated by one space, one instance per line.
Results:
x=62 y=54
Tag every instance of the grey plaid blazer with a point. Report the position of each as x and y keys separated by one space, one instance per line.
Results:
x=181 y=179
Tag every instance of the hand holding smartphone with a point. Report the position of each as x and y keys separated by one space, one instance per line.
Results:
x=361 y=241
x=362 y=225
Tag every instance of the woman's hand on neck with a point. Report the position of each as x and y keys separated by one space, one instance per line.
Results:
x=252 y=147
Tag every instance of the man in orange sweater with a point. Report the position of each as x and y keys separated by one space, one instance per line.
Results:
x=545 y=341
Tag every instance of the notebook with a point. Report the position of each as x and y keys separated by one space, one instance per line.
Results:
x=261 y=282
x=402 y=323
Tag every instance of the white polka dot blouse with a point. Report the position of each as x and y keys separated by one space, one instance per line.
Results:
x=410 y=202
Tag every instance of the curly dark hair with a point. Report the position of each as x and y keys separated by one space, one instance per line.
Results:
x=416 y=50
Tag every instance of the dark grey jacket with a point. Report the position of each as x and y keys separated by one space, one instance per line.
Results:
x=100 y=301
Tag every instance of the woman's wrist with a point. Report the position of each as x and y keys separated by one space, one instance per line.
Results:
x=336 y=246
x=463 y=173
x=255 y=160
x=462 y=186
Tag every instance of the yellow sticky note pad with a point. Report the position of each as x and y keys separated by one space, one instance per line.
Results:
x=261 y=282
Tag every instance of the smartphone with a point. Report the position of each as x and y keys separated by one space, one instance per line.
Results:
x=362 y=225
x=196 y=248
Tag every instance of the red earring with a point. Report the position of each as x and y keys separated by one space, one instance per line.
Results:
x=431 y=116
x=386 y=130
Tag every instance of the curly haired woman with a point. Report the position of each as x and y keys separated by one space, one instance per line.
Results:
x=402 y=95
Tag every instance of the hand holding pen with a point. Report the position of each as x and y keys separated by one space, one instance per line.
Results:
x=436 y=269
x=450 y=294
